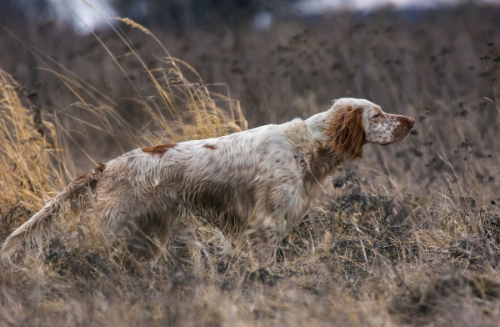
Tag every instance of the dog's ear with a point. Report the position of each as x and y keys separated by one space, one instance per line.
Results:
x=346 y=134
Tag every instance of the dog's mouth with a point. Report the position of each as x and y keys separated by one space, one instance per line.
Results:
x=402 y=131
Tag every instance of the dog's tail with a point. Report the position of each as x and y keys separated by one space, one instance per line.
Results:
x=37 y=223
x=74 y=192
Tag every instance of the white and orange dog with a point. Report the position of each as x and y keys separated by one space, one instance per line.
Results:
x=259 y=182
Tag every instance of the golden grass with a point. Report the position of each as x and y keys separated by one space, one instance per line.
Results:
x=33 y=168
x=38 y=165
x=411 y=238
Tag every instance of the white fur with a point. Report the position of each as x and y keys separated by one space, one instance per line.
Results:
x=258 y=183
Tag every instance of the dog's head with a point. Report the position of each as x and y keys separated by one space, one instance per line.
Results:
x=354 y=122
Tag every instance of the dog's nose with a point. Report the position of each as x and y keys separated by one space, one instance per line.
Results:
x=411 y=121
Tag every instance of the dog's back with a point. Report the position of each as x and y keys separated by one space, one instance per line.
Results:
x=258 y=182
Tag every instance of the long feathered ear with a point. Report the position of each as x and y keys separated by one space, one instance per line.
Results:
x=346 y=134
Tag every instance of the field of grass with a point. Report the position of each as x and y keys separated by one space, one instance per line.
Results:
x=409 y=235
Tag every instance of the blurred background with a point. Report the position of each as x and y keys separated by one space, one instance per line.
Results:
x=434 y=60
x=409 y=235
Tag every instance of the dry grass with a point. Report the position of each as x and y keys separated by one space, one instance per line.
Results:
x=408 y=236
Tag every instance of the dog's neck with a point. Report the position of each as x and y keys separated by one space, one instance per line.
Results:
x=317 y=124
x=323 y=159
x=312 y=140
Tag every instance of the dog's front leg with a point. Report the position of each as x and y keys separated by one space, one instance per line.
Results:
x=263 y=236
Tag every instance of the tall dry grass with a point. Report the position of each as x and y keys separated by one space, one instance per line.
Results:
x=407 y=236
x=36 y=151
x=40 y=155
x=29 y=172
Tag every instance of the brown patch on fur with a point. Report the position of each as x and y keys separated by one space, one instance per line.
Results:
x=100 y=167
x=159 y=149
x=81 y=179
x=88 y=179
x=346 y=134
x=209 y=146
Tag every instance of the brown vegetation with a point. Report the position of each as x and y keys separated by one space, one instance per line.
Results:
x=408 y=236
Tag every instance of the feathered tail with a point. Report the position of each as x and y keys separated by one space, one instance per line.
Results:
x=42 y=219
x=37 y=223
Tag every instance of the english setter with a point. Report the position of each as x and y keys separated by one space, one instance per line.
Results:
x=258 y=182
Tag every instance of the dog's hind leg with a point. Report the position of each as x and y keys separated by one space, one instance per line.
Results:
x=143 y=233
x=149 y=235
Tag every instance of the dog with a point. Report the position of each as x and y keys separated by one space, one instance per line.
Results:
x=258 y=183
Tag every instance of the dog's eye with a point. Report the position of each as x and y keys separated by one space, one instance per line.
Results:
x=376 y=115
